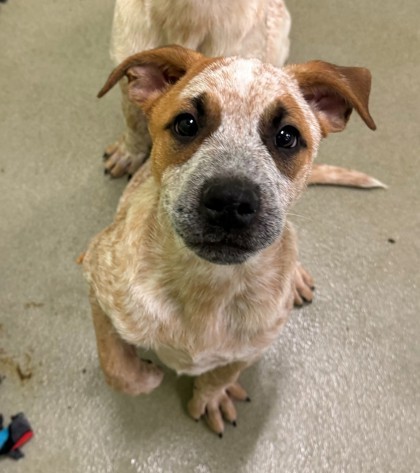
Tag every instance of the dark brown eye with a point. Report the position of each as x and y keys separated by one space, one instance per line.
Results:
x=185 y=125
x=287 y=137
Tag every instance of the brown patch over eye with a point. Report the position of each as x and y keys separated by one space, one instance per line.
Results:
x=285 y=133
x=178 y=128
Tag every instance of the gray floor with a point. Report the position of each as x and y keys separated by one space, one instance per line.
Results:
x=338 y=392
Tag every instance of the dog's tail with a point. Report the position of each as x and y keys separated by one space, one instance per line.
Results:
x=337 y=176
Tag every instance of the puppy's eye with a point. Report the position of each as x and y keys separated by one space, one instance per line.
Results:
x=185 y=125
x=287 y=137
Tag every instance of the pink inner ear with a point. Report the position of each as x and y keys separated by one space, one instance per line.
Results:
x=335 y=109
x=144 y=81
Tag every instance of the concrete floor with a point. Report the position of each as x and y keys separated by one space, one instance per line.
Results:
x=338 y=392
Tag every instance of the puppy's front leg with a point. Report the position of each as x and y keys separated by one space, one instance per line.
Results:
x=214 y=393
x=122 y=368
x=128 y=153
x=303 y=286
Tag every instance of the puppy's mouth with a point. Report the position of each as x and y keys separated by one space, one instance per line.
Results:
x=228 y=221
x=222 y=252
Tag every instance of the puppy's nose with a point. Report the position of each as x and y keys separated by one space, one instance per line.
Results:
x=230 y=203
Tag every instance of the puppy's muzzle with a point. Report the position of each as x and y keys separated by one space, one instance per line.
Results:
x=230 y=203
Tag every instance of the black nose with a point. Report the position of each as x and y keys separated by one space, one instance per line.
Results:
x=230 y=203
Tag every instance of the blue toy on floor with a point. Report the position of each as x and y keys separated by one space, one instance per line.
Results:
x=14 y=436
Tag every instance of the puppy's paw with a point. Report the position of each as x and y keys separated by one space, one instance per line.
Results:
x=119 y=161
x=303 y=290
x=217 y=406
x=141 y=377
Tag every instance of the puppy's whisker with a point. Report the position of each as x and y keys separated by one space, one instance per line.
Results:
x=290 y=214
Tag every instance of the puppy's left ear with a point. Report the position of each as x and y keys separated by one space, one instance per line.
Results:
x=333 y=91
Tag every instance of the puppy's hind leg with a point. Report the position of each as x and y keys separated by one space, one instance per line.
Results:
x=122 y=368
x=130 y=151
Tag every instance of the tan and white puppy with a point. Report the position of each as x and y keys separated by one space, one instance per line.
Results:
x=200 y=262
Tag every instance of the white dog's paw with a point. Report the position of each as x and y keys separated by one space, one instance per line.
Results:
x=303 y=286
x=119 y=161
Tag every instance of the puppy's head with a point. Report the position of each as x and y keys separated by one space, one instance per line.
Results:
x=234 y=139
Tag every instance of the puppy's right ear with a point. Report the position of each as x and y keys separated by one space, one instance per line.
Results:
x=150 y=73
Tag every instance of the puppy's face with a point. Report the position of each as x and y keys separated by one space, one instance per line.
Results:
x=233 y=144
x=232 y=147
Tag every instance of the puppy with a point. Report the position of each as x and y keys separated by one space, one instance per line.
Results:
x=200 y=262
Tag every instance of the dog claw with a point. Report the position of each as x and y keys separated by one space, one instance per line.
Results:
x=118 y=160
x=220 y=435
x=303 y=287
x=247 y=399
x=217 y=406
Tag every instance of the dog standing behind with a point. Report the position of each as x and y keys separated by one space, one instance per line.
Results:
x=199 y=264
x=247 y=28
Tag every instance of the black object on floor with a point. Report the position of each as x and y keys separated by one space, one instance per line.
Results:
x=15 y=435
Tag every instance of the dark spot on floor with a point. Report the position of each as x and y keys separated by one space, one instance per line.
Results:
x=24 y=372
x=21 y=366
x=24 y=367
x=84 y=370
x=33 y=305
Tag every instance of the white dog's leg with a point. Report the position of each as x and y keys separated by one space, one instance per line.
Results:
x=130 y=151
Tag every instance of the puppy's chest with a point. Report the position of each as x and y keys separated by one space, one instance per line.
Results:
x=193 y=330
